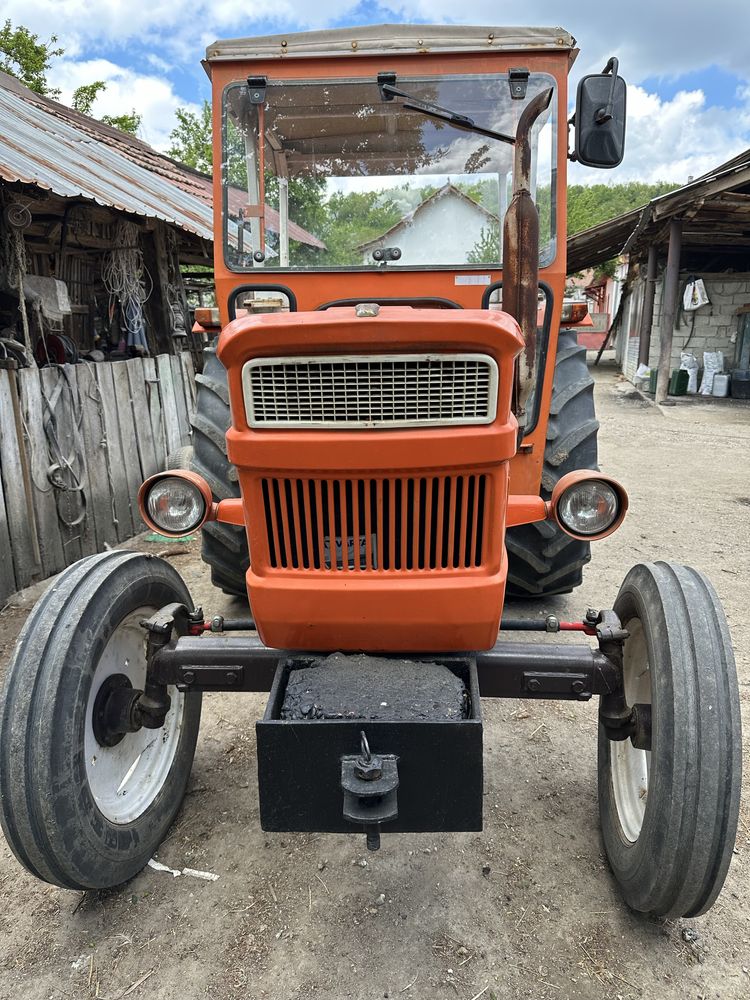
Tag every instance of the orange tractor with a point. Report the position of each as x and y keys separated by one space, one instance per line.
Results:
x=395 y=434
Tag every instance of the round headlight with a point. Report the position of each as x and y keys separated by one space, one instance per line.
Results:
x=588 y=508
x=175 y=505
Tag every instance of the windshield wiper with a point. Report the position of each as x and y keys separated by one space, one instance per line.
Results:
x=388 y=90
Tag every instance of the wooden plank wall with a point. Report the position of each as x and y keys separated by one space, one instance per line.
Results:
x=113 y=425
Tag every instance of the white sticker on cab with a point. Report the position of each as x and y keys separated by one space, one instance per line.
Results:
x=473 y=279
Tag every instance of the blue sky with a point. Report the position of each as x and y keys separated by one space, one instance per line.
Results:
x=688 y=71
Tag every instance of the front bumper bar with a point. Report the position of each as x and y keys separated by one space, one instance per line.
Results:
x=565 y=671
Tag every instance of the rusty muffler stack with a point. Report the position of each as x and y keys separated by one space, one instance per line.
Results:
x=521 y=253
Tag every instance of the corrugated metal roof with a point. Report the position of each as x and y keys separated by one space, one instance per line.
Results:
x=49 y=145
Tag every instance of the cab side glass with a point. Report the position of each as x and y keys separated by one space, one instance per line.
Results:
x=600 y=120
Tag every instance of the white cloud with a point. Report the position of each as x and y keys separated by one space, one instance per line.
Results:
x=651 y=38
x=674 y=140
x=151 y=96
x=666 y=139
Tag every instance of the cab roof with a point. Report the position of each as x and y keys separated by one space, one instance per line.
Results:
x=390 y=39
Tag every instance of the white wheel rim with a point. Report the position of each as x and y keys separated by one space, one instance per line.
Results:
x=126 y=779
x=630 y=768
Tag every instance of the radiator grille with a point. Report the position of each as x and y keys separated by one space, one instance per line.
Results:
x=414 y=390
x=399 y=525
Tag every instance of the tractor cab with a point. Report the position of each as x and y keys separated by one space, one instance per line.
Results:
x=378 y=162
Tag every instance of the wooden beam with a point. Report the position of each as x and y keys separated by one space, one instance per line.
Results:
x=647 y=317
x=666 y=205
x=669 y=308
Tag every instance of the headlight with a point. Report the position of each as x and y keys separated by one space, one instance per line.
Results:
x=174 y=503
x=588 y=506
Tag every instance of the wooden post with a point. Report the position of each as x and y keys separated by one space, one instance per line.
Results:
x=155 y=256
x=647 y=317
x=669 y=308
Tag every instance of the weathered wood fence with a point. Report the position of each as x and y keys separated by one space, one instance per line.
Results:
x=76 y=441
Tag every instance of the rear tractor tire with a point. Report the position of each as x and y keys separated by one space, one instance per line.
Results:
x=669 y=814
x=223 y=546
x=82 y=804
x=542 y=559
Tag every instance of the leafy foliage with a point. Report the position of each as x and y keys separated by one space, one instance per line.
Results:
x=191 y=139
x=83 y=102
x=85 y=95
x=352 y=219
x=588 y=205
x=22 y=55
x=126 y=123
x=487 y=248
x=306 y=208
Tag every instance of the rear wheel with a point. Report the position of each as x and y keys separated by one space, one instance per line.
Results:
x=542 y=559
x=83 y=806
x=669 y=814
x=223 y=546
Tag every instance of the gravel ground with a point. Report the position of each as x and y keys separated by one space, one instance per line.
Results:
x=526 y=909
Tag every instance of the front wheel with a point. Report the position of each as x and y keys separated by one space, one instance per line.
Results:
x=83 y=807
x=669 y=814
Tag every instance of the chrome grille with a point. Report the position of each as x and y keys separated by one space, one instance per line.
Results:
x=400 y=524
x=372 y=391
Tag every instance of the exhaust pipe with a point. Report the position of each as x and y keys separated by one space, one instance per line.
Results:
x=521 y=254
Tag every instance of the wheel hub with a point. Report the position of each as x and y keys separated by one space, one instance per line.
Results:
x=132 y=729
x=113 y=714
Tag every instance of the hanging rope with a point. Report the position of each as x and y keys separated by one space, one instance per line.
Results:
x=68 y=461
x=18 y=218
x=126 y=278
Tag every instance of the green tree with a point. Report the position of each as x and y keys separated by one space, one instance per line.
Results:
x=590 y=204
x=83 y=102
x=487 y=248
x=25 y=57
x=191 y=139
x=352 y=219
x=85 y=95
x=126 y=123
x=306 y=194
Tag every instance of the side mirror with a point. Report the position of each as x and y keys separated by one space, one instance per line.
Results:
x=600 y=118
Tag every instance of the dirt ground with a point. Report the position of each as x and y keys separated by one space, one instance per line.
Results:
x=526 y=909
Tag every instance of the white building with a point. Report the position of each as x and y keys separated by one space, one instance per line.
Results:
x=443 y=229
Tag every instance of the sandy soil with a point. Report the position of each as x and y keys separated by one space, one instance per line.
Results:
x=526 y=909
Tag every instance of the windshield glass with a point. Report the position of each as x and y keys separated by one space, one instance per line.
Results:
x=344 y=179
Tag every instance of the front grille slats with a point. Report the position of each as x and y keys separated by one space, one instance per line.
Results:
x=388 y=525
x=399 y=390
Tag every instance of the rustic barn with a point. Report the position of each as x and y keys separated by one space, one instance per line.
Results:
x=96 y=371
x=700 y=232
x=95 y=228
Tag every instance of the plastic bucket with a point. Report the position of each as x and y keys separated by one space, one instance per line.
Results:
x=721 y=385
x=678 y=383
